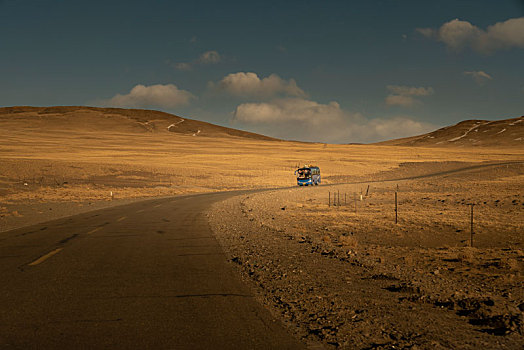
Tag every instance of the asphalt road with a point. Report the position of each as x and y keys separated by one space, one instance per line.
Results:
x=148 y=275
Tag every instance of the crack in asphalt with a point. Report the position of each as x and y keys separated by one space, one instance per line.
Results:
x=112 y=236
x=204 y=295
x=87 y=321
x=184 y=239
x=194 y=254
x=67 y=239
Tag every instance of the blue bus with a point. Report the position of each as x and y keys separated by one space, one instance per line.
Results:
x=308 y=175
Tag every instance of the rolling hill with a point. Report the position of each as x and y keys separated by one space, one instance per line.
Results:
x=116 y=119
x=470 y=133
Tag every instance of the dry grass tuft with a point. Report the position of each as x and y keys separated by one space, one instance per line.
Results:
x=468 y=255
x=510 y=264
x=519 y=253
x=408 y=260
x=348 y=241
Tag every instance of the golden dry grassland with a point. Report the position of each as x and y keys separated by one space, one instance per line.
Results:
x=86 y=156
x=151 y=164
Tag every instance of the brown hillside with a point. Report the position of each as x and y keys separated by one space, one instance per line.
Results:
x=115 y=119
x=470 y=133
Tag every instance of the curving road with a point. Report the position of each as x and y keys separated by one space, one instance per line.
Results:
x=148 y=275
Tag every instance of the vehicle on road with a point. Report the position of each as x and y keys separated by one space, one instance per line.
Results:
x=308 y=175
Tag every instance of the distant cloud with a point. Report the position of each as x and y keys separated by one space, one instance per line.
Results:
x=183 y=66
x=410 y=91
x=480 y=77
x=403 y=95
x=458 y=34
x=250 y=85
x=427 y=32
x=208 y=57
x=400 y=100
x=302 y=119
x=282 y=48
x=141 y=96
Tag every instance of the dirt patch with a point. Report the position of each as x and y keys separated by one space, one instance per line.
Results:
x=357 y=280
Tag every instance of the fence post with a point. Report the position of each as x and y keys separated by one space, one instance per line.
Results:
x=355 y=198
x=338 y=197
x=329 y=199
x=472 y=232
x=396 y=208
x=345 y=202
x=367 y=191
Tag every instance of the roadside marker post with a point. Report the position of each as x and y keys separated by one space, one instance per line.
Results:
x=396 y=209
x=471 y=228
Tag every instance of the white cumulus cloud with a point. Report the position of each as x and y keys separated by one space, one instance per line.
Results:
x=457 y=35
x=250 y=85
x=289 y=110
x=403 y=95
x=141 y=96
x=480 y=77
x=302 y=119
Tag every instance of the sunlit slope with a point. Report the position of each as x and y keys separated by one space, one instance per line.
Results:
x=470 y=133
x=113 y=119
x=81 y=153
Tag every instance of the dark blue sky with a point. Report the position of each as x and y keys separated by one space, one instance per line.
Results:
x=387 y=77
